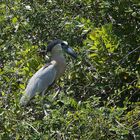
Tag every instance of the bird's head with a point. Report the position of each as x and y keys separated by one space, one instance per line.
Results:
x=59 y=45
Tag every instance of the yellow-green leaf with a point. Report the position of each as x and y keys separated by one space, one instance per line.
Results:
x=14 y=20
x=22 y=86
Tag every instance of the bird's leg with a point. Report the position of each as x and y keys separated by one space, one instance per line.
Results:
x=43 y=93
x=43 y=104
x=57 y=92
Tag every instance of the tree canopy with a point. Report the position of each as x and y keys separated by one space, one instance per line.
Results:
x=99 y=94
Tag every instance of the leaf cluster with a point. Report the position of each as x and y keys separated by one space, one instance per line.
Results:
x=98 y=96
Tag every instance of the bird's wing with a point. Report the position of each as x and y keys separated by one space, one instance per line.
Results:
x=39 y=82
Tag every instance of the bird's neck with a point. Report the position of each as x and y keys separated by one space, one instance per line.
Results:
x=60 y=62
x=58 y=56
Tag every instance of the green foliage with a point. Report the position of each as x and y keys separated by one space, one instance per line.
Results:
x=99 y=97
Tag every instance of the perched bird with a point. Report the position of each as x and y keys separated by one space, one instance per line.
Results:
x=50 y=72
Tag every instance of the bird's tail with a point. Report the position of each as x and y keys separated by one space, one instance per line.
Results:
x=24 y=100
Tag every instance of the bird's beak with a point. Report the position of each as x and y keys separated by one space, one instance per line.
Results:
x=70 y=51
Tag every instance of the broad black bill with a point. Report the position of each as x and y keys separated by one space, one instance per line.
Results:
x=71 y=52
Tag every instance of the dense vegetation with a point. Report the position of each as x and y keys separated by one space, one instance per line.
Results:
x=99 y=94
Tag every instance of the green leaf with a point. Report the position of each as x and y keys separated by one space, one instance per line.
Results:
x=14 y=20
x=22 y=86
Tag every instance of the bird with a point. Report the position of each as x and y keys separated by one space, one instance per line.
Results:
x=50 y=72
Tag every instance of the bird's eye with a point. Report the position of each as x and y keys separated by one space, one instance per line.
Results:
x=63 y=44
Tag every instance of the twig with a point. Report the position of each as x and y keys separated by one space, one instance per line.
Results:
x=32 y=128
x=129 y=54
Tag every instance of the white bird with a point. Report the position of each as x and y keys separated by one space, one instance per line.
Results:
x=50 y=72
